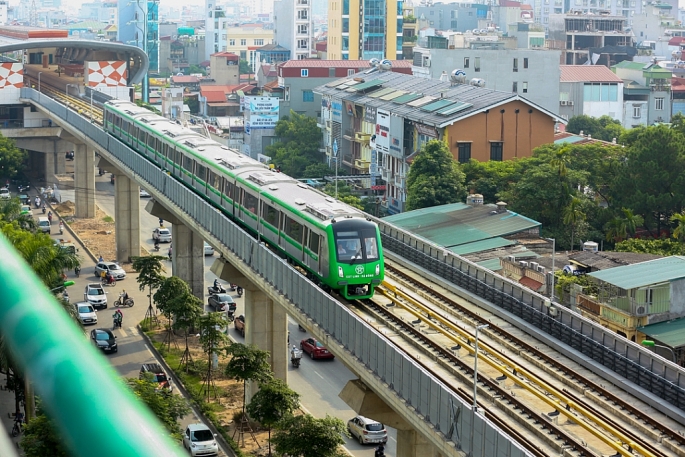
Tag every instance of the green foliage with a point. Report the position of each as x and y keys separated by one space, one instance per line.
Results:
x=434 y=178
x=679 y=232
x=317 y=170
x=167 y=407
x=306 y=436
x=619 y=228
x=194 y=69
x=11 y=158
x=193 y=104
x=149 y=271
x=564 y=281
x=603 y=128
x=10 y=211
x=148 y=106
x=298 y=145
x=169 y=289
x=490 y=178
x=272 y=403
x=41 y=438
x=665 y=246
x=247 y=363
x=651 y=183
x=245 y=68
x=212 y=339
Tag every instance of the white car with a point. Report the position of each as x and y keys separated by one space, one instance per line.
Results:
x=95 y=295
x=200 y=440
x=86 y=313
x=112 y=267
x=208 y=249
x=5 y=193
x=367 y=430
x=161 y=234
x=144 y=193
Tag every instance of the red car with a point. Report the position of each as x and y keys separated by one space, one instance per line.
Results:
x=315 y=349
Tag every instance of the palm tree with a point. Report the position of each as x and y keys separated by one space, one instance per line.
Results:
x=562 y=156
x=619 y=228
x=632 y=221
x=10 y=211
x=573 y=213
x=679 y=232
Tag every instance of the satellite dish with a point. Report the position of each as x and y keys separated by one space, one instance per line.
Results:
x=385 y=65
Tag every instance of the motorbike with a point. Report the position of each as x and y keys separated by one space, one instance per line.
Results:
x=239 y=290
x=121 y=302
x=213 y=290
x=77 y=271
x=61 y=228
x=106 y=282
x=300 y=328
x=295 y=357
x=156 y=247
x=380 y=451
x=230 y=314
x=116 y=322
x=44 y=209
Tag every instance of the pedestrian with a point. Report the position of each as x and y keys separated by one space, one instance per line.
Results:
x=169 y=252
x=101 y=259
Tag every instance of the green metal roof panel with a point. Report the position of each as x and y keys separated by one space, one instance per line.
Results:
x=670 y=333
x=482 y=245
x=459 y=224
x=368 y=84
x=491 y=264
x=631 y=65
x=644 y=273
x=406 y=98
x=437 y=105
x=459 y=106
x=394 y=94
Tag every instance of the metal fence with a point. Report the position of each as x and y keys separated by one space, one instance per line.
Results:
x=433 y=402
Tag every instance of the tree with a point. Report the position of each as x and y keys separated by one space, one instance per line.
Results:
x=187 y=310
x=298 y=144
x=306 y=436
x=434 y=178
x=573 y=214
x=619 y=228
x=603 y=128
x=664 y=246
x=168 y=291
x=41 y=438
x=248 y=363
x=10 y=211
x=150 y=275
x=193 y=104
x=11 y=158
x=492 y=177
x=213 y=341
x=679 y=231
x=167 y=407
x=652 y=184
x=272 y=403
x=244 y=68
x=196 y=69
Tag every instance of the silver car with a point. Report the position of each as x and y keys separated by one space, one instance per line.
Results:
x=86 y=313
x=367 y=430
x=161 y=234
x=95 y=295
x=112 y=267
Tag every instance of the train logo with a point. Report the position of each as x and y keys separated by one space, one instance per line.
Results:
x=359 y=269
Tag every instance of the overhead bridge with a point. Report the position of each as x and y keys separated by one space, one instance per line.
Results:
x=436 y=418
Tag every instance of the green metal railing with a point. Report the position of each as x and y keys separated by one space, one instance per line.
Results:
x=96 y=413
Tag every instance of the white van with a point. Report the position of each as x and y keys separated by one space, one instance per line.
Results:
x=44 y=224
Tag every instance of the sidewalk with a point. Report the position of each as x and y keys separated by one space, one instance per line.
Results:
x=6 y=409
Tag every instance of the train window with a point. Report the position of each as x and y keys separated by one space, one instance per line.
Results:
x=200 y=172
x=293 y=229
x=134 y=132
x=250 y=203
x=270 y=214
x=370 y=246
x=215 y=180
x=187 y=163
x=228 y=189
x=151 y=140
x=141 y=136
x=314 y=242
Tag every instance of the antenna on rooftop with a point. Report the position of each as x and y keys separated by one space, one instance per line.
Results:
x=33 y=14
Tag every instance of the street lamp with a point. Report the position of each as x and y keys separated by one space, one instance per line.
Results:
x=650 y=343
x=39 y=73
x=475 y=382
x=554 y=246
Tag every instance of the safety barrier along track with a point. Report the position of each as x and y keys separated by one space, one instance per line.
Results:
x=614 y=435
x=79 y=105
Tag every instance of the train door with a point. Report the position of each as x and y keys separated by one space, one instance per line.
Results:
x=248 y=209
x=228 y=197
x=200 y=178
x=311 y=249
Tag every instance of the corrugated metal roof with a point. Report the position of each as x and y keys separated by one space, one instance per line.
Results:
x=671 y=333
x=460 y=224
x=482 y=245
x=644 y=273
x=587 y=73
x=367 y=85
x=491 y=264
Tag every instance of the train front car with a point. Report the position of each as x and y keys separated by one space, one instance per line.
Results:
x=357 y=267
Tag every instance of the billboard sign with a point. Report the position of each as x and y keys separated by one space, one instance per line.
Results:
x=265 y=105
x=383 y=131
x=336 y=110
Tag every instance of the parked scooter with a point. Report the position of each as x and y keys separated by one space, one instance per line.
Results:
x=380 y=451
x=65 y=296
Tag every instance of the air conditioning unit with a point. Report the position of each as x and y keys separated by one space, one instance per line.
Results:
x=523 y=264
x=426 y=61
x=534 y=266
x=553 y=311
x=541 y=269
x=511 y=258
x=641 y=311
x=569 y=103
x=562 y=102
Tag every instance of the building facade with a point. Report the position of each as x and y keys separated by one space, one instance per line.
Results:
x=534 y=74
x=364 y=29
x=139 y=19
x=593 y=90
x=457 y=17
x=646 y=93
x=293 y=27
x=246 y=40
x=225 y=68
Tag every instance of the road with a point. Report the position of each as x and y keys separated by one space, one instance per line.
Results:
x=318 y=382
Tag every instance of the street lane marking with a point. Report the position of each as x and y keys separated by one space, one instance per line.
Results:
x=317 y=373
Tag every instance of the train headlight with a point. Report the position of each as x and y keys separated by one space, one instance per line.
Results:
x=378 y=269
x=340 y=272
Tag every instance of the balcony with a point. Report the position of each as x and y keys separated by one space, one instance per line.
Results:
x=400 y=181
x=386 y=175
x=362 y=165
x=361 y=137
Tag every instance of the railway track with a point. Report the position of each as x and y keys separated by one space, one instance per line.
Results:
x=77 y=104
x=622 y=430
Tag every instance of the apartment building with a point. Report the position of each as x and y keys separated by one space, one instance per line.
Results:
x=293 y=27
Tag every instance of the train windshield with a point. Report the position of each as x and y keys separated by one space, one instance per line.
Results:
x=356 y=245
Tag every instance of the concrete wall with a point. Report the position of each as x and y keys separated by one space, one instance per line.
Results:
x=628 y=109
x=297 y=87
x=496 y=68
x=663 y=115
x=519 y=136
x=458 y=17
x=34 y=118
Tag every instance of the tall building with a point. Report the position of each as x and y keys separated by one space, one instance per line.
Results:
x=364 y=29
x=293 y=27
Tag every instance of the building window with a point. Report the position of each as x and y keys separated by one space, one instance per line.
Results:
x=516 y=66
x=524 y=87
x=464 y=152
x=302 y=29
x=466 y=62
x=307 y=96
x=597 y=92
x=525 y=62
x=259 y=42
x=476 y=64
x=231 y=42
x=243 y=42
x=496 y=151
x=349 y=73
x=304 y=73
x=515 y=87
x=659 y=103
x=302 y=14
x=302 y=44
x=637 y=111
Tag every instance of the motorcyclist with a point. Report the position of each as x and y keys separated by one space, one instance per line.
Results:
x=156 y=245
x=380 y=451
x=77 y=270
x=218 y=287
x=44 y=208
x=118 y=318
x=109 y=277
x=37 y=201
x=50 y=216
x=295 y=354
x=124 y=296
x=61 y=227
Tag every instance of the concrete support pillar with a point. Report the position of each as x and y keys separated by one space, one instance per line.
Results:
x=84 y=181
x=50 y=167
x=266 y=324
x=126 y=217
x=60 y=160
x=188 y=260
x=412 y=444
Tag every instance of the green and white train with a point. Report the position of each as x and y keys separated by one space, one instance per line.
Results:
x=338 y=246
